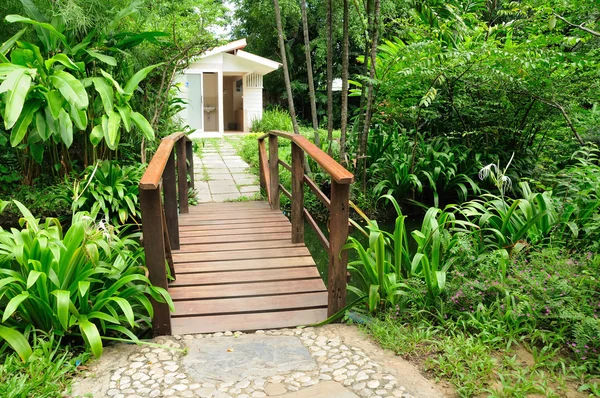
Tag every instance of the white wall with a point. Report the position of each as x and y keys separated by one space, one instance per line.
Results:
x=253 y=99
x=211 y=98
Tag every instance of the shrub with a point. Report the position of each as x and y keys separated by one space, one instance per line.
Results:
x=110 y=190
x=273 y=119
x=87 y=283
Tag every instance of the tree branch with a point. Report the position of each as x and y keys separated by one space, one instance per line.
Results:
x=590 y=31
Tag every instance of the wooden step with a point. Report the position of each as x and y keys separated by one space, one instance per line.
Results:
x=258 y=220
x=183 y=257
x=250 y=304
x=211 y=278
x=284 y=229
x=247 y=322
x=217 y=228
x=231 y=246
x=195 y=240
x=246 y=264
x=245 y=215
x=247 y=289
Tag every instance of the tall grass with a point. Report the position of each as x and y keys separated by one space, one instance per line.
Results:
x=273 y=119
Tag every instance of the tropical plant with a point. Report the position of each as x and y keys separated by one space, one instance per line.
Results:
x=89 y=283
x=109 y=190
x=273 y=119
x=384 y=269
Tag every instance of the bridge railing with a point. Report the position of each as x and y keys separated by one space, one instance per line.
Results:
x=164 y=193
x=338 y=204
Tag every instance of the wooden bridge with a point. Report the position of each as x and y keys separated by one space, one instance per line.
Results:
x=241 y=265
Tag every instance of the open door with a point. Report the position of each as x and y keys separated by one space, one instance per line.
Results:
x=195 y=109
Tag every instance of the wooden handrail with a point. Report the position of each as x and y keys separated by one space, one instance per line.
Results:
x=337 y=172
x=337 y=204
x=166 y=176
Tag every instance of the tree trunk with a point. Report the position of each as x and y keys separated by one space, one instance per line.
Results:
x=329 y=76
x=365 y=135
x=286 y=74
x=311 y=84
x=344 y=110
x=363 y=92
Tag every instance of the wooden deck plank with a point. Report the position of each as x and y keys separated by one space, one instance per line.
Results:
x=211 y=278
x=237 y=269
x=257 y=237
x=247 y=289
x=250 y=304
x=219 y=247
x=223 y=227
x=236 y=215
x=181 y=257
x=247 y=264
x=260 y=220
x=247 y=322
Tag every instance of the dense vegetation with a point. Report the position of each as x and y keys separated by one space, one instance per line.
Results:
x=483 y=130
x=476 y=120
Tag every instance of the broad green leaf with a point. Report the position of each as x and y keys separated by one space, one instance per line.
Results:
x=16 y=86
x=37 y=152
x=96 y=135
x=7 y=67
x=109 y=77
x=32 y=278
x=63 y=59
x=7 y=45
x=125 y=112
x=41 y=125
x=106 y=93
x=55 y=102
x=46 y=26
x=111 y=133
x=66 y=128
x=70 y=88
x=51 y=121
x=143 y=125
x=140 y=75
x=79 y=117
x=126 y=308
x=13 y=305
x=63 y=303
x=107 y=59
x=20 y=128
x=90 y=332
x=17 y=342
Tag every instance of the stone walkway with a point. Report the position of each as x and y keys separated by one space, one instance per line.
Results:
x=221 y=175
x=298 y=363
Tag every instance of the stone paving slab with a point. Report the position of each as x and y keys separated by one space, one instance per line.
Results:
x=331 y=361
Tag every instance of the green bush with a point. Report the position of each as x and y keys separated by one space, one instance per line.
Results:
x=87 y=283
x=110 y=190
x=273 y=119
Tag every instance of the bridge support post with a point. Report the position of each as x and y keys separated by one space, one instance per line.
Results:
x=154 y=248
x=170 y=192
x=182 y=185
x=297 y=194
x=189 y=152
x=274 y=172
x=338 y=260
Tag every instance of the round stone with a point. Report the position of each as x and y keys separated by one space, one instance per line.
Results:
x=373 y=384
x=361 y=376
x=180 y=387
x=275 y=389
x=242 y=384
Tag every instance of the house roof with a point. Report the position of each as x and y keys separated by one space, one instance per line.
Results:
x=233 y=53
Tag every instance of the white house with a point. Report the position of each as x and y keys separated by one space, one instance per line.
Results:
x=223 y=90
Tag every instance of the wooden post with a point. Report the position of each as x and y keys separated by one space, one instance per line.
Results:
x=338 y=261
x=154 y=248
x=274 y=171
x=189 y=151
x=184 y=206
x=261 y=170
x=170 y=192
x=297 y=194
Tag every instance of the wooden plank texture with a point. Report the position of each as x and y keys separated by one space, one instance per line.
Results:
x=211 y=278
x=246 y=322
x=247 y=289
x=250 y=304
x=237 y=269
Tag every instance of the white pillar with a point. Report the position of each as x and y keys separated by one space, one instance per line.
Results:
x=220 y=97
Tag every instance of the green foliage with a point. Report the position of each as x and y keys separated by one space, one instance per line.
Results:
x=273 y=119
x=46 y=373
x=108 y=190
x=87 y=283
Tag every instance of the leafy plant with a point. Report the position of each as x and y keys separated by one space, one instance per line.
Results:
x=87 y=283
x=110 y=190
x=273 y=119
